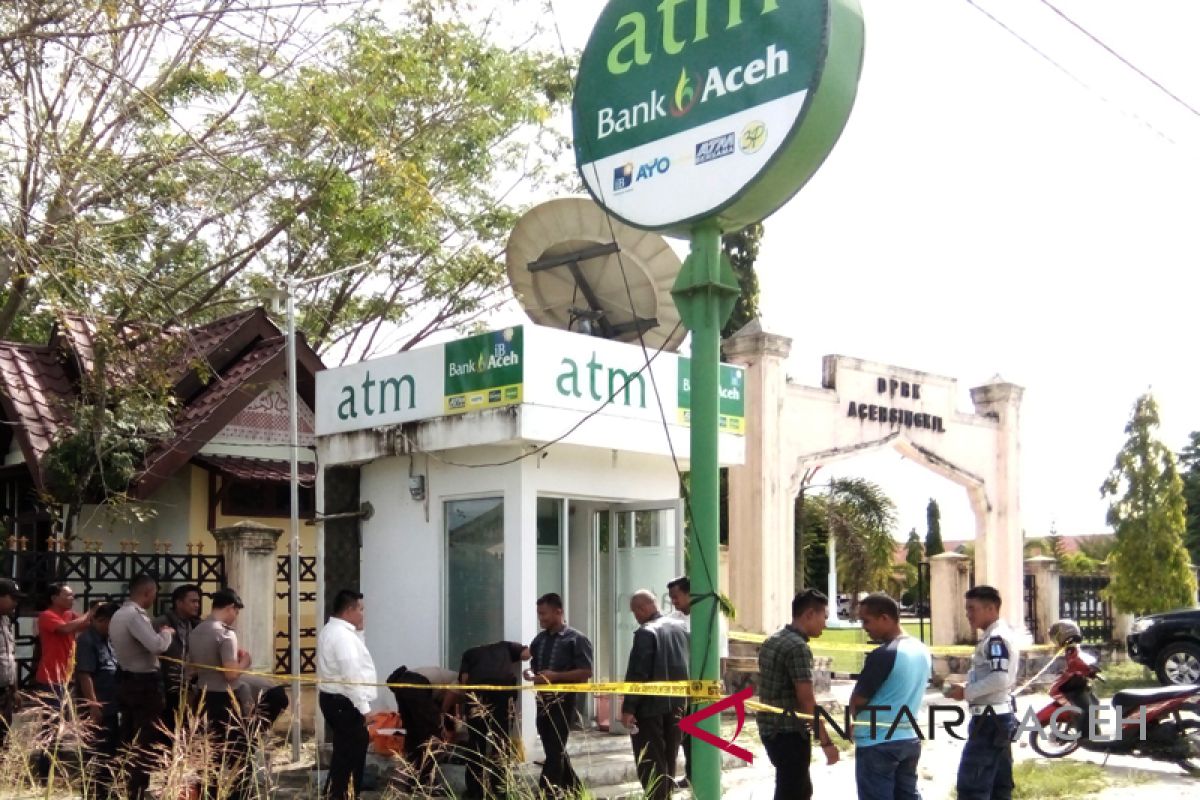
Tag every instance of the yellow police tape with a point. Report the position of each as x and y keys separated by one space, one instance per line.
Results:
x=817 y=645
x=696 y=690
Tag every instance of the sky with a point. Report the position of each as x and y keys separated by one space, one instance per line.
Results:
x=986 y=213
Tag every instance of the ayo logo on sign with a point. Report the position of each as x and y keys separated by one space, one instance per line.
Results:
x=623 y=176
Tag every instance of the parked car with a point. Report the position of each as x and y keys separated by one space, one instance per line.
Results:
x=1168 y=643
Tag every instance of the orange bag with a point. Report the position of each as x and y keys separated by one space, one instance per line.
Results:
x=386 y=731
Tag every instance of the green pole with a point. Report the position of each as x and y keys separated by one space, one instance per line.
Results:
x=705 y=292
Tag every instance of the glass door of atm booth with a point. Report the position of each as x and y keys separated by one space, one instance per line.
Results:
x=636 y=546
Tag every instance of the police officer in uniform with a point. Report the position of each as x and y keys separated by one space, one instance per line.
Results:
x=985 y=772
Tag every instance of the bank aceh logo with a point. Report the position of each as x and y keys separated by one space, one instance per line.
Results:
x=623 y=177
x=685 y=94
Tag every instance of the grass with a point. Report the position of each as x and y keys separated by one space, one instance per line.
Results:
x=1126 y=675
x=848 y=661
x=1063 y=779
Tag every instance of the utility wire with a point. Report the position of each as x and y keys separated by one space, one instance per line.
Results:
x=1012 y=32
x=1120 y=57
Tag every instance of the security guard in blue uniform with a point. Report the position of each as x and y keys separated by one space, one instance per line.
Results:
x=985 y=772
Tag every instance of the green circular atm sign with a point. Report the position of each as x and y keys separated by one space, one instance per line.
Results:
x=694 y=110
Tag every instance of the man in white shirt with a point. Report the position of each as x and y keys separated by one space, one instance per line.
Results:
x=345 y=678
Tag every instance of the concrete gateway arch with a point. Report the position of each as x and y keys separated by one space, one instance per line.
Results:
x=861 y=406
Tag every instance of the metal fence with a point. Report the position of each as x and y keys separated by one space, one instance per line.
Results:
x=96 y=576
x=1080 y=600
x=308 y=601
x=1031 y=602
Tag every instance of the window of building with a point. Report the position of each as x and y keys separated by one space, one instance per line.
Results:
x=263 y=499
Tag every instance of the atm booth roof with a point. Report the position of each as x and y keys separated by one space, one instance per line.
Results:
x=524 y=384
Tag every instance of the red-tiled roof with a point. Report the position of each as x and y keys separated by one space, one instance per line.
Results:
x=201 y=419
x=36 y=396
x=259 y=469
x=223 y=366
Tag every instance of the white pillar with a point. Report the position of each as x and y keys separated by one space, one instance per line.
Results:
x=947 y=608
x=1044 y=570
x=832 y=611
x=249 y=552
x=999 y=555
x=761 y=505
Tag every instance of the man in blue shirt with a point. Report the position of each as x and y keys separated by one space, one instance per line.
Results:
x=885 y=704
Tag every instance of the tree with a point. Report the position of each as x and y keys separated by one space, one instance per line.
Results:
x=914 y=552
x=742 y=248
x=171 y=161
x=1149 y=564
x=861 y=516
x=1189 y=459
x=1058 y=548
x=933 y=530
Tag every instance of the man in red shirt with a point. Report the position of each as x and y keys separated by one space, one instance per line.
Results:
x=57 y=627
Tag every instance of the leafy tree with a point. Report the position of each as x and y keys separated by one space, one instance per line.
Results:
x=1189 y=459
x=1097 y=548
x=742 y=248
x=1058 y=548
x=1079 y=563
x=861 y=516
x=171 y=161
x=1149 y=565
x=933 y=529
x=914 y=551
x=1038 y=547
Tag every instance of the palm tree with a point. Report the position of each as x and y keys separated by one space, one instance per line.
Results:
x=861 y=516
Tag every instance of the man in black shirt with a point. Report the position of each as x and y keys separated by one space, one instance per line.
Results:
x=561 y=654
x=96 y=684
x=489 y=714
x=182 y=618
x=659 y=653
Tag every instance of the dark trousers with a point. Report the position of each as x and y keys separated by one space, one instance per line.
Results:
x=55 y=698
x=8 y=706
x=173 y=708
x=228 y=729
x=103 y=749
x=553 y=727
x=141 y=703
x=888 y=770
x=489 y=746
x=686 y=741
x=985 y=772
x=656 y=748
x=350 y=739
x=790 y=754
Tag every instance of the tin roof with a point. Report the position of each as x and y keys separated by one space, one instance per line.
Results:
x=258 y=469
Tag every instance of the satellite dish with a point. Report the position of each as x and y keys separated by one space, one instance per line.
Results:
x=564 y=264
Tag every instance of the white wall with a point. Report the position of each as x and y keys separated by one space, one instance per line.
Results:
x=172 y=507
x=403 y=554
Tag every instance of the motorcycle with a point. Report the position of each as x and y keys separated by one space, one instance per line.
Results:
x=1153 y=724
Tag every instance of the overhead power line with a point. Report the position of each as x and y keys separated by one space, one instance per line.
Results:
x=1120 y=57
x=1045 y=56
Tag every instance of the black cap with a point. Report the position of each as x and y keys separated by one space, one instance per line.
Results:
x=223 y=598
x=9 y=589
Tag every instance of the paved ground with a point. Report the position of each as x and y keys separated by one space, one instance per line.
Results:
x=1129 y=778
